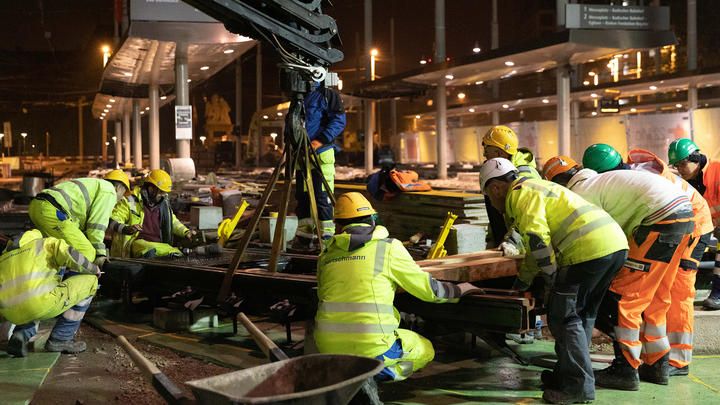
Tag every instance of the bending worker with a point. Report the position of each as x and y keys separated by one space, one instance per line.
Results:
x=657 y=220
x=578 y=249
x=502 y=142
x=704 y=175
x=144 y=224
x=357 y=276
x=32 y=289
x=78 y=211
x=324 y=122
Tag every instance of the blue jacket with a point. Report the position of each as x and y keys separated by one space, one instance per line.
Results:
x=324 y=116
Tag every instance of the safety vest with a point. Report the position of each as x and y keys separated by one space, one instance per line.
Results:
x=525 y=163
x=30 y=269
x=89 y=201
x=356 y=290
x=631 y=197
x=130 y=211
x=558 y=227
x=711 y=179
x=641 y=159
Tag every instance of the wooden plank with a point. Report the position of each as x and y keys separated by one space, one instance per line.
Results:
x=465 y=257
x=478 y=270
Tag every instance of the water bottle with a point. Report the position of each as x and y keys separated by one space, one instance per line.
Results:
x=538 y=327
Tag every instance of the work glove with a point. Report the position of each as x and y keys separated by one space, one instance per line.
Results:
x=520 y=285
x=191 y=235
x=131 y=229
x=100 y=261
x=467 y=288
x=512 y=245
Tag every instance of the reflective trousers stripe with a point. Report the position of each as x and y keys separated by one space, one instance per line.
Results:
x=682 y=356
x=634 y=351
x=653 y=330
x=630 y=335
x=680 y=338
x=656 y=346
x=337 y=327
x=356 y=307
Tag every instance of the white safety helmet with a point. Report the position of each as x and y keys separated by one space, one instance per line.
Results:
x=495 y=167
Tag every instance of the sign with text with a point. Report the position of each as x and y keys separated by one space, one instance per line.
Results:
x=598 y=16
x=183 y=122
x=7 y=135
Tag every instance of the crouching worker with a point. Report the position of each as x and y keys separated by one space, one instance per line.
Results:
x=357 y=276
x=32 y=289
x=143 y=222
x=578 y=249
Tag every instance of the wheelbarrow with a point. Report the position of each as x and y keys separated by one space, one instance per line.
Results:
x=315 y=379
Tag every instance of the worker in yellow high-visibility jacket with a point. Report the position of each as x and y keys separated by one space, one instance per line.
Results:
x=358 y=274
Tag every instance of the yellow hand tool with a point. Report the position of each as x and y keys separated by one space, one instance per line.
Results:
x=227 y=226
x=438 y=248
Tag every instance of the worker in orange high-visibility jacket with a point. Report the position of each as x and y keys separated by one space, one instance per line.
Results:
x=681 y=314
x=657 y=219
x=578 y=249
x=704 y=175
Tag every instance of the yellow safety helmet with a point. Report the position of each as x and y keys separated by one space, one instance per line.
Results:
x=501 y=137
x=160 y=179
x=352 y=205
x=119 y=175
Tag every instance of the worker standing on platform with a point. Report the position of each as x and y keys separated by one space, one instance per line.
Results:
x=704 y=175
x=657 y=219
x=324 y=122
x=357 y=275
x=32 y=289
x=78 y=212
x=502 y=142
x=577 y=248
x=144 y=224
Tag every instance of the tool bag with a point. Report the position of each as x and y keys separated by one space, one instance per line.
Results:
x=389 y=182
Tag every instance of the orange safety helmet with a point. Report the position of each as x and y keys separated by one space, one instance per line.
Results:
x=558 y=165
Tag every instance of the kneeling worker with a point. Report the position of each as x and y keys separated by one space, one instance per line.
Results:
x=32 y=289
x=578 y=249
x=143 y=222
x=357 y=276
x=78 y=212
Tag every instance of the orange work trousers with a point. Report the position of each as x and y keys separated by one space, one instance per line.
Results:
x=680 y=315
x=644 y=284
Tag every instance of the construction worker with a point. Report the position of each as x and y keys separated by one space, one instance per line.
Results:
x=32 y=289
x=657 y=219
x=704 y=175
x=502 y=142
x=78 y=211
x=144 y=224
x=324 y=122
x=357 y=275
x=577 y=248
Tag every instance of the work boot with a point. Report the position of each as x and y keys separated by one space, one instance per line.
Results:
x=65 y=346
x=18 y=344
x=521 y=338
x=679 y=371
x=559 y=397
x=620 y=376
x=657 y=373
x=713 y=301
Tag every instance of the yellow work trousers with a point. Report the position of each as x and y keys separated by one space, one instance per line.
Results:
x=52 y=222
x=143 y=248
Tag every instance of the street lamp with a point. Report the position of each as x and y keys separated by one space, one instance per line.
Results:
x=202 y=139
x=24 y=135
x=106 y=54
x=373 y=54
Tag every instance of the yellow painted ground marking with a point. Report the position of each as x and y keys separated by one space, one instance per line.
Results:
x=695 y=379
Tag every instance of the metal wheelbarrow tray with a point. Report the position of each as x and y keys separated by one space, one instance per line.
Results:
x=311 y=379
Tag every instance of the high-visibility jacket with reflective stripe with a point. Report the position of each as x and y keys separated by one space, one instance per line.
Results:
x=558 y=227
x=356 y=289
x=525 y=163
x=130 y=211
x=29 y=270
x=631 y=197
x=640 y=159
x=711 y=179
x=89 y=201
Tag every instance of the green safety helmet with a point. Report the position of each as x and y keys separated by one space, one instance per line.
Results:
x=601 y=157
x=680 y=149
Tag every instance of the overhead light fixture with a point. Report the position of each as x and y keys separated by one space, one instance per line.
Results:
x=423 y=62
x=505 y=106
x=461 y=96
x=593 y=95
x=108 y=105
x=591 y=73
x=472 y=110
x=633 y=109
x=540 y=70
x=429 y=102
x=102 y=118
x=594 y=113
x=479 y=82
x=189 y=80
x=142 y=112
x=112 y=100
x=127 y=74
x=163 y=97
x=678 y=105
x=106 y=110
x=586 y=83
x=449 y=76
x=476 y=48
x=265 y=117
x=509 y=63
x=653 y=88
x=545 y=101
x=228 y=51
x=417 y=117
x=374 y=52
x=204 y=67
